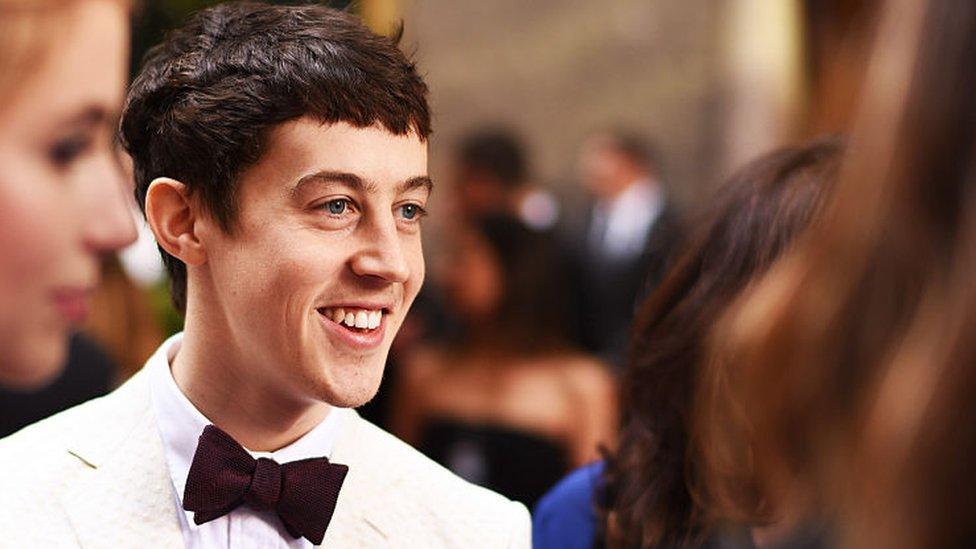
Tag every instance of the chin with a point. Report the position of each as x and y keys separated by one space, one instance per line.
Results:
x=32 y=367
x=350 y=400
x=351 y=390
x=349 y=397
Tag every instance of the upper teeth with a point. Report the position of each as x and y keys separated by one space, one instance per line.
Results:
x=355 y=318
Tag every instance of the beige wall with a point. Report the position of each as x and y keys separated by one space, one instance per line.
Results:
x=556 y=68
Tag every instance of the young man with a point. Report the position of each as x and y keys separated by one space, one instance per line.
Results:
x=281 y=157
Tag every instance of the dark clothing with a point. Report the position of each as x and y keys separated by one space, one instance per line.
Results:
x=608 y=290
x=89 y=373
x=515 y=463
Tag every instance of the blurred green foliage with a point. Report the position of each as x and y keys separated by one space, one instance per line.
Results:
x=168 y=320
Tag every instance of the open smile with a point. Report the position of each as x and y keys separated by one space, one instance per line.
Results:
x=356 y=327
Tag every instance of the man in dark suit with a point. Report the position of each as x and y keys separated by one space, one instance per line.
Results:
x=622 y=250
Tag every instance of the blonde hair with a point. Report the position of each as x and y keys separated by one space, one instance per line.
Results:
x=27 y=28
x=24 y=24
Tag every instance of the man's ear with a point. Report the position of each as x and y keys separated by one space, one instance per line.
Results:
x=173 y=217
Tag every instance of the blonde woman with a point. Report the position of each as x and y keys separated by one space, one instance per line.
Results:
x=62 y=197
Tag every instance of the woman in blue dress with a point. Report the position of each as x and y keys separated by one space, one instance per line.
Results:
x=650 y=491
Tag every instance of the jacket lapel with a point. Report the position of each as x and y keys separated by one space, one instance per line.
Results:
x=125 y=498
x=362 y=518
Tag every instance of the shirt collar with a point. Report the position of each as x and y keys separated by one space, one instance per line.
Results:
x=180 y=423
x=628 y=217
x=641 y=194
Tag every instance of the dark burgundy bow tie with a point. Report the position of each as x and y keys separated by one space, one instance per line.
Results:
x=224 y=476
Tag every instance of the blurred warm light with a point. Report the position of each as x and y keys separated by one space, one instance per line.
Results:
x=763 y=42
x=381 y=15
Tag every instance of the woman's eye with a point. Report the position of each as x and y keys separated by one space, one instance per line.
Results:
x=67 y=150
x=337 y=206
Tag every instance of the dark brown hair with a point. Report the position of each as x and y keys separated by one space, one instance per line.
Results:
x=207 y=96
x=531 y=315
x=497 y=153
x=756 y=217
x=865 y=334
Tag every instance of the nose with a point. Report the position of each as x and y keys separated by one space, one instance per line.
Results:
x=382 y=255
x=109 y=224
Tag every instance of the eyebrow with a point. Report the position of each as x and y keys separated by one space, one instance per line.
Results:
x=92 y=115
x=357 y=182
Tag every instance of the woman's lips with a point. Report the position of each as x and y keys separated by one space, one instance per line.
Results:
x=73 y=303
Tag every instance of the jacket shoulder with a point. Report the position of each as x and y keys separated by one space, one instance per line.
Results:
x=438 y=501
x=51 y=448
x=43 y=469
x=47 y=435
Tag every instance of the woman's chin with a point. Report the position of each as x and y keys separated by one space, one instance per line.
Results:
x=34 y=365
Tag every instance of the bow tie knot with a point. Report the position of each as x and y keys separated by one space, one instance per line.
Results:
x=223 y=476
x=265 y=488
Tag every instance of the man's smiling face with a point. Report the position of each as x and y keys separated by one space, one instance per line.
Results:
x=324 y=259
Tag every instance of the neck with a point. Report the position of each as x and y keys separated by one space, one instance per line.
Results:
x=217 y=379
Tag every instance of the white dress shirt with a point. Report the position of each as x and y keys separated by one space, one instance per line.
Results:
x=180 y=425
x=626 y=220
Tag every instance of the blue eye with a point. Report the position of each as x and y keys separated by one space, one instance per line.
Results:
x=336 y=207
x=411 y=212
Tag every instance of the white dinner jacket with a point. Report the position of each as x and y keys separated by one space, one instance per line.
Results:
x=95 y=476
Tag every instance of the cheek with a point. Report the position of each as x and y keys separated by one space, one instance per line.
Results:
x=276 y=278
x=35 y=226
x=418 y=268
x=36 y=244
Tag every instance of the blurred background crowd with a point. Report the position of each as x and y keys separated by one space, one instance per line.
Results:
x=575 y=144
x=578 y=155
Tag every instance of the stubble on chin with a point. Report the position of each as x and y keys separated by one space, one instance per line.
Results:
x=347 y=386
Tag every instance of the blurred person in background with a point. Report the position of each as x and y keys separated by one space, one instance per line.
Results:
x=508 y=404
x=492 y=177
x=63 y=202
x=647 y=494
x=855 y=359
x=624 y=246
x=123 y=321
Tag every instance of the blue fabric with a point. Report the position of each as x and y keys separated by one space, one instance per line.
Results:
x=565 y=518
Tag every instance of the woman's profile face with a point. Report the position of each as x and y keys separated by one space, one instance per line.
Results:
x=63 y=202
x=474 y=279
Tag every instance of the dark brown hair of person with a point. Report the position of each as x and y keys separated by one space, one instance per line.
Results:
x=530 y=317
x=867 y=327
x=756 y=216
x=207 y=96
x=496 y=153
